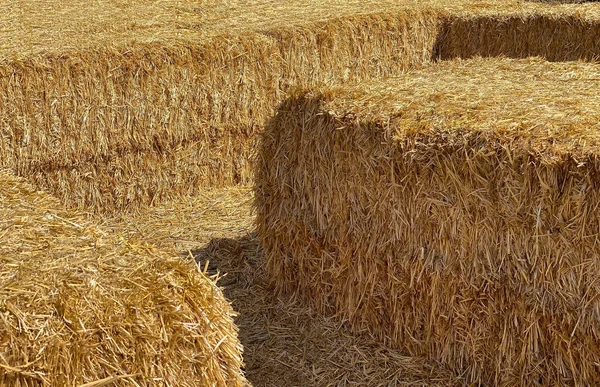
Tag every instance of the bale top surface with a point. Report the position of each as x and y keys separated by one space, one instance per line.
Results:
x=549 y=108
x=52 y=26
x=79 y=304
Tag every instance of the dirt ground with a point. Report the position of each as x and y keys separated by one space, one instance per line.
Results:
x=285 y=344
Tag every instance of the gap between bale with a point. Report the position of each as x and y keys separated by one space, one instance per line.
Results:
x=282 y=339
x=556 y=37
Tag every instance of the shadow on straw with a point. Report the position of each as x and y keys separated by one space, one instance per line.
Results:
x=284 y=341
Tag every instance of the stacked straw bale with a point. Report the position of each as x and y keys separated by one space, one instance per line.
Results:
x=112 y=105
x=79 y=306
x=450 y=212
x=112 y=128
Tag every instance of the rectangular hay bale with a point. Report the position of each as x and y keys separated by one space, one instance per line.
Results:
x=83 y=306
x=451 y=212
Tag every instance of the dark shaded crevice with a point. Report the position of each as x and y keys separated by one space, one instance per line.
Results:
x=234 y=257
x=554 y=38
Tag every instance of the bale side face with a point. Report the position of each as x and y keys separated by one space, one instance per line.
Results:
x=450 y=213
x=80 y=305
x=555 y=36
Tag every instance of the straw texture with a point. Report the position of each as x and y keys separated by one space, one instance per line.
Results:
x=284 y=341
x=554 y=36
x=112 y=106
x=450 y=212
x=80 y=306
x=113 y=129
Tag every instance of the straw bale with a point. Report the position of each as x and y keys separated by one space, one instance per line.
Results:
x=67 y=27
x=83 y=306
x=449 y=212
x=565 y=1
x=110 y=128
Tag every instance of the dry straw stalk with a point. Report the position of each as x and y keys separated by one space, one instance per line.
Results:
x=82 y=307
x=450 y=212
